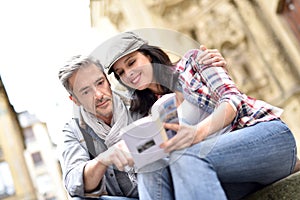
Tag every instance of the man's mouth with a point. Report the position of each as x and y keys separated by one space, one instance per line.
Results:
x=102 y=103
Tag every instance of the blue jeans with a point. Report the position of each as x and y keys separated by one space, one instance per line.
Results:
x=155 y=181
x=236 y=164
x=105 y=198
x=115 y=198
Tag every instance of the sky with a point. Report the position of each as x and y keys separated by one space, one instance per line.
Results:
x=36 y=38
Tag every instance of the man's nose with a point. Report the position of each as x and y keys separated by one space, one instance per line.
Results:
x=98 y=93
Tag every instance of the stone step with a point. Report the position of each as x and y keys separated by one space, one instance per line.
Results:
x=284 y=189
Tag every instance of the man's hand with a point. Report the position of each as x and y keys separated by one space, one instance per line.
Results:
x=117 y=155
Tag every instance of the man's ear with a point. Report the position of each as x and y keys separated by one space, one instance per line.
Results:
x=74 y=100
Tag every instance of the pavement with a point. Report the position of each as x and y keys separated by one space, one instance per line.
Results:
x=284 y=189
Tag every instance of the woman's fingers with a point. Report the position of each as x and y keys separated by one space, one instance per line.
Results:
x=184 y=137
x=211 y=57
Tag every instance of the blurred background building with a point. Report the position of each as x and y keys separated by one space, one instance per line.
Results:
x=29 y=167
x=259 y=39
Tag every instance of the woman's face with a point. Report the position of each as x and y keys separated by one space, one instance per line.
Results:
x=135 y=70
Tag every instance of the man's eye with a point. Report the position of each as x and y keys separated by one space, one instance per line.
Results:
x=100 y=82
x=85 y=93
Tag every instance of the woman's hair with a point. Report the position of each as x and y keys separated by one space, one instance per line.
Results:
x=164 y=74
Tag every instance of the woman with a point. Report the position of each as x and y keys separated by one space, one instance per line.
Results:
x=253 y=147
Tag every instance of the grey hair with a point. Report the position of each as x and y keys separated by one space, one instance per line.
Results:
x=72 y=66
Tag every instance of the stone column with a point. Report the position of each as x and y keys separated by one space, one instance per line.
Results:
x=12 y=146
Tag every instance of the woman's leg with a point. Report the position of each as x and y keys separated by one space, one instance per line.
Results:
x=155 y=181
x=252 y=157
x=105 y=198
x=242 y=160
x=115 y=198
x=194 y=177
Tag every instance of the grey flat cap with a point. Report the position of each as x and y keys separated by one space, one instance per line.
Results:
x=117 y=47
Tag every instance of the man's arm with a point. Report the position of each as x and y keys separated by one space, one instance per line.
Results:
x=75 y=160
x=82 y=175
x=95 y=169
x=93 y=173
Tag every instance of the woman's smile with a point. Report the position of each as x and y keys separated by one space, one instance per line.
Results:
x=135 y=70
x=135 y=80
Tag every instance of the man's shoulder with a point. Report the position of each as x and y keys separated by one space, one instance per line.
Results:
x=78 y=127
x=77 y=124
x=70 y=123
x=72 y=127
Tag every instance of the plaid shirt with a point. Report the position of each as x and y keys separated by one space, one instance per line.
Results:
x=209 y=86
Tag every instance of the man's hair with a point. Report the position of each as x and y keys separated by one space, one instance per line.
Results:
x=72 y=66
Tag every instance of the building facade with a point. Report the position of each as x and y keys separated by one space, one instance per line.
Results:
x=41 y=158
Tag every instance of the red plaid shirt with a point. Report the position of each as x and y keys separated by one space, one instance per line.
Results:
x=208 y=86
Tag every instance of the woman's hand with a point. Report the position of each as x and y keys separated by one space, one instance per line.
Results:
x=185 y=137
x=211 y=57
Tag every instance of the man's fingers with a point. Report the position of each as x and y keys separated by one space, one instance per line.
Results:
x=129 y=159
x=119 y=158
x=125 y=159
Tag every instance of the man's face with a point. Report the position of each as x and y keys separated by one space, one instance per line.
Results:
x=92 y=90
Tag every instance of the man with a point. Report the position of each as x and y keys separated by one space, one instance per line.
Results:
x=92 y=165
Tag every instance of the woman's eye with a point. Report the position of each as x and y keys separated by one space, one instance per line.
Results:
x=120 y=73
x=130 y=63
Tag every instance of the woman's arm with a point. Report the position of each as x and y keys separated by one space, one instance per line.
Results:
x=189 y=135
x=221 y=89
x=220 y=118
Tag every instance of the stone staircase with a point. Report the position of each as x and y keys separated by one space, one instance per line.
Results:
x=285 y=189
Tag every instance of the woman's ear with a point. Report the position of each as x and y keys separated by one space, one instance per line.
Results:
x=74 y=100
x=149 y=58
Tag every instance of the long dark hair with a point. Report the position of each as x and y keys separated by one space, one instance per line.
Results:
x=164 y=73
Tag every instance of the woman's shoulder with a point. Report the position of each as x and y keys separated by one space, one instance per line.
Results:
x=189 y=56
x=192 y=53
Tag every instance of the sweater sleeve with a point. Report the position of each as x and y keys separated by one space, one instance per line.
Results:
x=74 y=157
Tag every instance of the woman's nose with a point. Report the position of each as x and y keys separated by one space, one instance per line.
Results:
x=129 y=73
